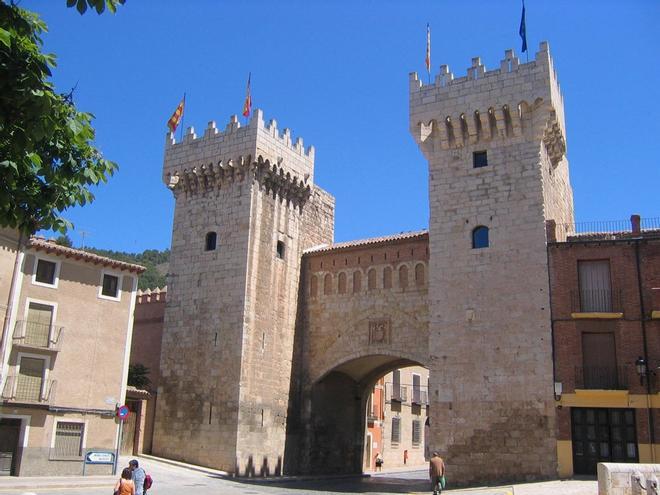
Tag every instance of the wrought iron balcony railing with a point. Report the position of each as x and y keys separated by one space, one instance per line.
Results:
x=420 y=396
x=596 y=301
x=398 y=393
x=602 y=377
x=38 y=335
x=27 y=390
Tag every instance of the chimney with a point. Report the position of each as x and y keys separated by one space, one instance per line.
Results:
x=635 y=222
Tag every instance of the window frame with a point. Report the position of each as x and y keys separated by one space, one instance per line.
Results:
x=280 y=255
x=477 y=156
x=44 y=377
x=56 y=273
x=83 y=438
x=120 y=283
x=398 y=437
x=207 y=237
x=473 y=233
x=52 y=304
x=419 y=433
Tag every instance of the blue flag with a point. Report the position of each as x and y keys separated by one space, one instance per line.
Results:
x=523 y=30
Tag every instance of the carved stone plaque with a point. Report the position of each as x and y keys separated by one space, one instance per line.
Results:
x=379 y=331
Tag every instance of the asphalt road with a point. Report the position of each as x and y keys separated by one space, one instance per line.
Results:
x=175 y=480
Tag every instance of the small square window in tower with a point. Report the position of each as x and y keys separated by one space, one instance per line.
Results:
x=479 y=159
x=280 y=249
x=211 y=240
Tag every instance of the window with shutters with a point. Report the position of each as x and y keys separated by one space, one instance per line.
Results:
x=68 y=439
x=38 y=324
x=416 y=432
x=30 y=379
x=396 y=430
x=396 y=385
x=599 y=369
x=595 y=288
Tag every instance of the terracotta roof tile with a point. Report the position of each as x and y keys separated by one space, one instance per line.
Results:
x=403 y=236
x=51 y=247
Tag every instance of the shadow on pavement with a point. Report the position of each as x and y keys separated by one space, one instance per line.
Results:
x=390 y=483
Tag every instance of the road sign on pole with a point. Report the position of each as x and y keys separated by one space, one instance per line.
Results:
x=122 y=412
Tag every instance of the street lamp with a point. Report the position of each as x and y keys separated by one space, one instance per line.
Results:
x=558 y=390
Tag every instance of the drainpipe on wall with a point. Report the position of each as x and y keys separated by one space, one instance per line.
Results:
x=635 y=220
x=11 y=299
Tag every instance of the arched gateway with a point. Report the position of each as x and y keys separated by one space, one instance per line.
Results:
x=349 y=337
x=273 y=333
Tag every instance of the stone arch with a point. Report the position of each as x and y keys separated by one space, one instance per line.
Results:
x=338 y=399
x=341 y=283
x=357 y=281
x=387 y=277
x=371 y=279
x=420 y=275
x=327 y=284
x=403 y=276
x=313 y=286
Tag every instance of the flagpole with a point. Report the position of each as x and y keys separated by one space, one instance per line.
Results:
x=183 y=113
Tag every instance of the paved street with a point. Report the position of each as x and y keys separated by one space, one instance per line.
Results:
x=175 y=480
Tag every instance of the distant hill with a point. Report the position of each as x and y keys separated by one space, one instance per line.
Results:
x=156 y=262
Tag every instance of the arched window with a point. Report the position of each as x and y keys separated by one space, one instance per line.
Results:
x=419 y=274
x=342 y=283
x=403 y=276
x=327 y=284
x=211 y=239
x=313 y=286
x=357 y=281
x=371 y=279
x=387 y=278
x=480 y=237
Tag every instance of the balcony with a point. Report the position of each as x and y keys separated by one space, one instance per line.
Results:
x=33 y=335
x=596 y=303
x=601 y=377
x=397 y=393
x=420 y=396
x=20 y=389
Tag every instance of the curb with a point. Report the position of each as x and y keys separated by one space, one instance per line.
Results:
x=50 y=484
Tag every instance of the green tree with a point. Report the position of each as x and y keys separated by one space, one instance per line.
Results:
x=138 y=376
x=48 y=161
x=99 y=5
x=64 y=240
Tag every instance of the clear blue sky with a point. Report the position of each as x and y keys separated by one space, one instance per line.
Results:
x=336 y=73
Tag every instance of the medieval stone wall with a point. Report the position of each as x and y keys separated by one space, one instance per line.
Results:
x=490 y=334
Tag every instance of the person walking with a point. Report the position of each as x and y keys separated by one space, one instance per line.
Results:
x=125 y=485
x=437 y=473
x=379 y=462
x=138 y=476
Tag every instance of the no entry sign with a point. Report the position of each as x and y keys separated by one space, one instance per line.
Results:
x=122 y=412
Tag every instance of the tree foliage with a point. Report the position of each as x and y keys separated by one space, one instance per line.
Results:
x=98 y=5
x=155 y=262
x=138 y=376
x=48 y=161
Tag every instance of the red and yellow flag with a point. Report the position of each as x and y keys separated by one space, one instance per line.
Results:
x=175 y=119
x=428 y=48
x=247 y=106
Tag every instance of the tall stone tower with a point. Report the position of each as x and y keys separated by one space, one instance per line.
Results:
x=246 y=207
x=495 y=143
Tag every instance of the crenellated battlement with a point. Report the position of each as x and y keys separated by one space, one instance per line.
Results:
x=258 y=150
x=157 y=295
x=484 y=105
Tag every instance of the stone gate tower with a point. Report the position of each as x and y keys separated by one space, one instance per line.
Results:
x=246 y=208
x=495 y=143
